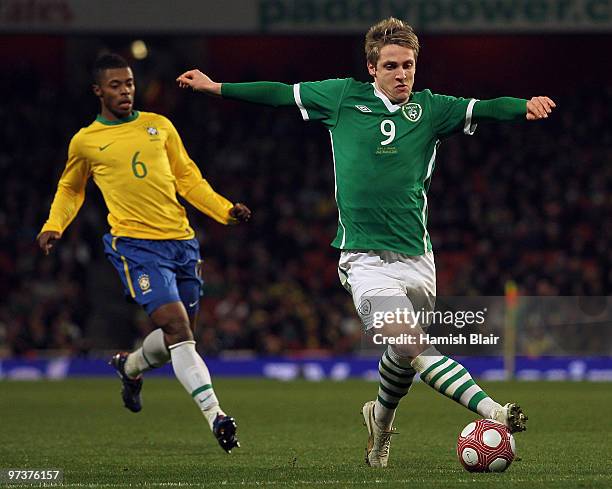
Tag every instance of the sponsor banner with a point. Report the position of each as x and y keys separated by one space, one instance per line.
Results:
x=129 y=17
x=316 y=369
x=230 y=17
x=355 y=16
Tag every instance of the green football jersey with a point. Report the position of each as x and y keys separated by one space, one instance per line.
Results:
x=384 y=155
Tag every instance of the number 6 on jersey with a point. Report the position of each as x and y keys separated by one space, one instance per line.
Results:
x=138 y=167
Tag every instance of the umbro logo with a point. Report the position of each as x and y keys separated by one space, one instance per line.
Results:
x=363 y=108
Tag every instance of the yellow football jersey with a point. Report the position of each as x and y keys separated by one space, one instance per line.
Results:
x=140 y=164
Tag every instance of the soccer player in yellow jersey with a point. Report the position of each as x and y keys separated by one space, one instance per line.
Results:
x=138 y=161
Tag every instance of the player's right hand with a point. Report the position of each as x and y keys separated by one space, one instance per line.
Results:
x=199 y=81
x=47 y=239
x=240 y=212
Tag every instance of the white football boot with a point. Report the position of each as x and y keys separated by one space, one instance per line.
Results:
x=379 y=440
x=512 y=416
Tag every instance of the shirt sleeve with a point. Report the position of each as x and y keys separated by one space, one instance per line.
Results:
x=451 y=115
x=191 y=185
x=320 y=101
x=500 y=109
x=267 y=93
x=70 y=193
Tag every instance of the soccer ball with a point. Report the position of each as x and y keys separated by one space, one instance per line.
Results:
x=485 y=446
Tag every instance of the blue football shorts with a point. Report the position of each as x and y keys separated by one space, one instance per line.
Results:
x=157 y=272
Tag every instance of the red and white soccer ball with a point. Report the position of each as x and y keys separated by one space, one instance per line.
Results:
x=485 y=446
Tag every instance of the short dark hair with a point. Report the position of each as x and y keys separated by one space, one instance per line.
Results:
x=107 y=61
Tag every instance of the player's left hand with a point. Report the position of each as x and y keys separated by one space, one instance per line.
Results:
x=240 y=212
x=539 y=108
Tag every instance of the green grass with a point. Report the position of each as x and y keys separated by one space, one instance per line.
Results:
x=295 y=434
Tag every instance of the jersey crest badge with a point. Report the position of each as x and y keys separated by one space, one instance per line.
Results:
x=412 y=111
x=152 y=131
x=363 y=108
x=365 y=308
x=144 y=283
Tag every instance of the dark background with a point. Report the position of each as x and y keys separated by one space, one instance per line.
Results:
x=529 y=202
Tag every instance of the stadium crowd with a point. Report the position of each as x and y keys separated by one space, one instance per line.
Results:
x=528 y=203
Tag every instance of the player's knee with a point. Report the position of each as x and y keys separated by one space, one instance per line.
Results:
x=177 y=330
x=405 y=341
x=405 y=351
x=173 y=321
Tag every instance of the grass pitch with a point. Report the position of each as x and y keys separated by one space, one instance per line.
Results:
x=293 y=434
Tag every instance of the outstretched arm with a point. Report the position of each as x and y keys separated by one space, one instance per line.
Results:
x=509 y=108
x=265 y=93
x=68 y=199
x=196 y=190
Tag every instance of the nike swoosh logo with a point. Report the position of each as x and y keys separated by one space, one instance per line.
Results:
x=102 y=148
x=206 y=398
x=194 y=304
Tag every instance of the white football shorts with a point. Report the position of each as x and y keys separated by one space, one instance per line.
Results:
x=382 y=281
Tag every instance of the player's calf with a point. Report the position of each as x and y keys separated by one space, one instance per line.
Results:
x=152 y=354
x=450 y=378
x=193 y=374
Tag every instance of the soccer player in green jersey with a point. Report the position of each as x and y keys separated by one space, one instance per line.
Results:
x=384 y=141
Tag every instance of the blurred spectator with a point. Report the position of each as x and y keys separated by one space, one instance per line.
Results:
x=542 y=220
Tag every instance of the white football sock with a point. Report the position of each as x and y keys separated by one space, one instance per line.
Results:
x=191 y=371
x=152 y=354
x=450 y=378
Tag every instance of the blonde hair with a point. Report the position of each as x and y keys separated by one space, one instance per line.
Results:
x=389 y=31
